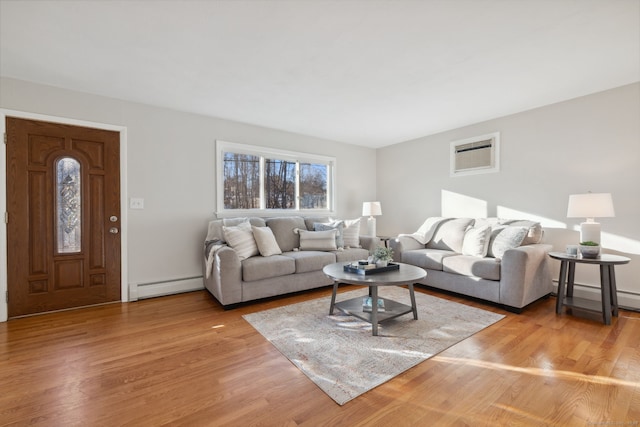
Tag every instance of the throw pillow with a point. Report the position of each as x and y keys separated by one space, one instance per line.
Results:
x=476 y=241
x=335 y=225
x=240 y=238
x=426 y=230
x=266 y=241
x=534 y=230
x=317 y=240
x=505 y=238
x=351 y=233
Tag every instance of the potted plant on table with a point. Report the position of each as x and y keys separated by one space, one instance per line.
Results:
x=589 y=249
x=382 y=256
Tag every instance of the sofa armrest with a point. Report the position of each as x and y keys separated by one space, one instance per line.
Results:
x=369 y=242
x=525 y=275
x=402 y=244
x=225 y=281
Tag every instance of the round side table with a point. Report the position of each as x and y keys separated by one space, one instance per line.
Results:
x=609 y=300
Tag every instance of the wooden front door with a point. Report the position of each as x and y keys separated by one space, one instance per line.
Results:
x=63 y=203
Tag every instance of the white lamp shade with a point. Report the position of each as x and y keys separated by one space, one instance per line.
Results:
x=590 y=205
x=371 y=209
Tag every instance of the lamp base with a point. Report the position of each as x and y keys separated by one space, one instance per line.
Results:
x=590 y=231
x=371 y=226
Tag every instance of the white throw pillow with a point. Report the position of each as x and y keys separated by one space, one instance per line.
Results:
x=534 y=230
x=505 y=238
x=240 y=238
x=266 y=241
x=351 y=233
x=476 y=241
x=334 y=225
x=317 y=240
x=427 y=229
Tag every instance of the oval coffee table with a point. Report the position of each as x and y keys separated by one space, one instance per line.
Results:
x=405 y=275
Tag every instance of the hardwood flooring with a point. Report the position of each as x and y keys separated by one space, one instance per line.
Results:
x=183 y=361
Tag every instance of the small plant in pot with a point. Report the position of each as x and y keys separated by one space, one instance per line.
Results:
x=382 y=256
x=589 y=249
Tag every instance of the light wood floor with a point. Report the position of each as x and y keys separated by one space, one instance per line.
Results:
x=182 y=360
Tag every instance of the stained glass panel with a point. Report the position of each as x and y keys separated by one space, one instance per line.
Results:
x=68 y=206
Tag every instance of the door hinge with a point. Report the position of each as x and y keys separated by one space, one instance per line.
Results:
x=5 y=137
x=6 y=217
x=6 y=297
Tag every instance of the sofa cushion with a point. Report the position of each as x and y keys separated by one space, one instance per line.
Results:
x=215 y=231
x=266 y=241
x=351 y=233
x=351 y=254
x=306 y=261
x=310 y=221
x=283 y=228
x=485 y=268
x=450 y=234
x=258 y=267
x=317 y=240
x=335 y=225
x=491 y=222
x=240 y=238
x=426 y=258
x=504 y=238
x=476 y=241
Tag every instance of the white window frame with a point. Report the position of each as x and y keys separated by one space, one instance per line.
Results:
x=495 y=155
x=265 y=152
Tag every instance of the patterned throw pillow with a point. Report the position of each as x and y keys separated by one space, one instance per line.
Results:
x=266 y=241
x=240 y=238
x=351 y=233
x=335 y=225
x=505 y=238
x=317 y=240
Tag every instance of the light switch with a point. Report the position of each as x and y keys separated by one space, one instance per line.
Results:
x=136 y=203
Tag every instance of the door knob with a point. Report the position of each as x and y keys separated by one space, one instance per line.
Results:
x=113 y=230
x=113 y=218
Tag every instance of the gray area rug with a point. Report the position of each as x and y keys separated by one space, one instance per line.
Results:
x=340 y=355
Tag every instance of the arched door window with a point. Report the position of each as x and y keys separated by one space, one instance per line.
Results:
x=68 y=206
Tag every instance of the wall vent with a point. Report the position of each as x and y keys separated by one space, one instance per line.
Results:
x=479 y=154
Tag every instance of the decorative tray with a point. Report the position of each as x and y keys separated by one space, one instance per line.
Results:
x=361 y=269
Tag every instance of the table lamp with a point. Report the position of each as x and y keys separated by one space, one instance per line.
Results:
x=590 y=206
x=371 y=209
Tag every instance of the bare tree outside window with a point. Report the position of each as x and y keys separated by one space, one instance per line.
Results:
x=261 y=179
x=313 y=186
x=280 y=184
x=241 y=181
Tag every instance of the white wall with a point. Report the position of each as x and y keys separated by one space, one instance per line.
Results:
x=586 y=144
x=171 y=158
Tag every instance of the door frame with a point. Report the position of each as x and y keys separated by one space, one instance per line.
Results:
x=124 y=285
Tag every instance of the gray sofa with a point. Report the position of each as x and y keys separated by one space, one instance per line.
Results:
x=501 y=261
x=235 y=275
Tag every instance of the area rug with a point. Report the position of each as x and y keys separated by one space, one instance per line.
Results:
x=339 y=354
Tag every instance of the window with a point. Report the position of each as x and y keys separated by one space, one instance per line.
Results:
x=263 y=181
x=68 y=215
x=475 y=155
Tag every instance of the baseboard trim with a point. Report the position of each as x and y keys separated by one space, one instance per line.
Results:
x=165 y=287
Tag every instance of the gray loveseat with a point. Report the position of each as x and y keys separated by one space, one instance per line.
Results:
x=303 y=246
x=501 y=261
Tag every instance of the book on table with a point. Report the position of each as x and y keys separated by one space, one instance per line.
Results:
x=368 y=301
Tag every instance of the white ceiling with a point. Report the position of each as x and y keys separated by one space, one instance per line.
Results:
x=371 y=73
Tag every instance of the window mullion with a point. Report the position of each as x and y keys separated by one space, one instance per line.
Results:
x=297 y=189
x=263 y=202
